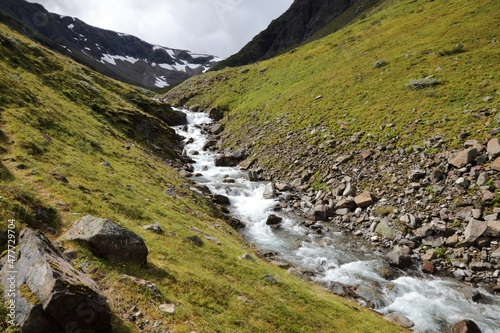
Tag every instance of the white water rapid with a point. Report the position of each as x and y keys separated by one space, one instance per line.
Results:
x=431 y=303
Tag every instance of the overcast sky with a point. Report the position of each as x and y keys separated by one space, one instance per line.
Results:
x=216 y=27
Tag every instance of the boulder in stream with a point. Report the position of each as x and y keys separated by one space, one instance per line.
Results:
x=465 y=326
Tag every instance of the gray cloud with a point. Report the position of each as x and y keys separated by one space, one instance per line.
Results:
x=217 y=27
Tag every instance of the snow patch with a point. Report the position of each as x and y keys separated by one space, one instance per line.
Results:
x=71 y=26
x=161 y=82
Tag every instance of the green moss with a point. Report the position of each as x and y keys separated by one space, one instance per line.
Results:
x=28 y=295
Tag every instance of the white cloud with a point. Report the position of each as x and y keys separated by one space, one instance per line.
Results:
x=218 y=27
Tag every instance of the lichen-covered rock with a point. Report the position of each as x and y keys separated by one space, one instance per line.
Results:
x=108 y=240
x=51 y=295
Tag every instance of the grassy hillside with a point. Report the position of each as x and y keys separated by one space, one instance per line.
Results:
x=61 y=121
x=407 y=71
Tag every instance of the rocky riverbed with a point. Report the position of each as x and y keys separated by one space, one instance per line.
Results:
x=438 y=217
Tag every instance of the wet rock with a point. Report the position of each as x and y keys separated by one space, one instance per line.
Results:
x=269 y=191
x=52 y=295
x=225 y=161
x=234 y=223
x=464 y=157
x=364 y=199
x=106 y=239
x=465 y=326
x=273 y=219
x=221 y=199
x=400 y=319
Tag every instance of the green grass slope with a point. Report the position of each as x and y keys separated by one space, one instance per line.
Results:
x=60 y=119
x=406 y=71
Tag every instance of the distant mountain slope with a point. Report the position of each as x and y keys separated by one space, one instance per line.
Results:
x=300 y=23
x=120 y=56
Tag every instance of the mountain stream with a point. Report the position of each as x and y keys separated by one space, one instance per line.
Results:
x=431 y=303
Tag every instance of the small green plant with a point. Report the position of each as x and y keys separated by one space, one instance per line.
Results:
x=439 y=253
x=422 y=83
x=379 y=63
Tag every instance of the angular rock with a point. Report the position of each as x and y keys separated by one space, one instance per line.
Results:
x=465 y=326
x=167 y=308
x=273 y=219
x=462 y=183
x=239 y=154
x=52 y=296
x=195 y=240
x=493 y=148
x=428 y=267
x=416 y=175
x=225 y=161
x=493 y=229
x=410 y=220
x=108 y=240
x=385 y=230
x=364 y=199
x=346 y=203
x=495 y=165
x=399 y=257
x=216 y=128
x=464 y=157
x=156 y=228
x=400 y=319
x=474 y=230
x=269 y=191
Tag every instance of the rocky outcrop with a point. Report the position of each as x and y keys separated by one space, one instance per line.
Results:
x=51 y=295
x=108 y=240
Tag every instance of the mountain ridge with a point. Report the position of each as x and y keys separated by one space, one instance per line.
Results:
x=304 y=21
x=121 y=56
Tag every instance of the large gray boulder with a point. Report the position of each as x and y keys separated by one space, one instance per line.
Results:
x=50 y=294
x=473 y=231
x=108 y=240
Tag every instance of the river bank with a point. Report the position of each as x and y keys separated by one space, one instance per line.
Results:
x=350 y=263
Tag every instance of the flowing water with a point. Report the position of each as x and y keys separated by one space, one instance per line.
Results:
x=431 y=303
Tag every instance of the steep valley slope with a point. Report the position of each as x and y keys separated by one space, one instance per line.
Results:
x=398 y=110
x=76 y=143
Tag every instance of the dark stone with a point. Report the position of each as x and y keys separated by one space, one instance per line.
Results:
x=428 y=267
x=59 y=177
x=221 y=199
x=270 y=279
x=52 y=296
x=400 y=258
x=21 y=166
x=234 y=223
x=465 y=326
x=273 y=219
x=195 y=240
x=225 y=161
x=108 y=240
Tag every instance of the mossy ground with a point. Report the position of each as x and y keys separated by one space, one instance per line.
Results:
x=332 y=85
x=59 y=117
